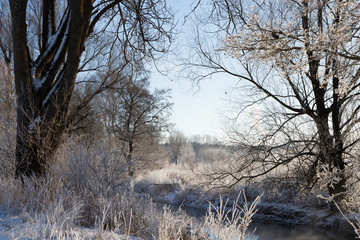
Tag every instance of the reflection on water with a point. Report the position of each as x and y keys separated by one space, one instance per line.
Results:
x=268 y=231
x=272 y=230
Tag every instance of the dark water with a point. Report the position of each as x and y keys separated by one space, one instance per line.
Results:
x=275 y=230
x=271 y=231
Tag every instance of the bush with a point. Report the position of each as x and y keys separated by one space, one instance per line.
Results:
x=229 y=224
x=88 y=187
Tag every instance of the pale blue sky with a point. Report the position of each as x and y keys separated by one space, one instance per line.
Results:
x=196 y=110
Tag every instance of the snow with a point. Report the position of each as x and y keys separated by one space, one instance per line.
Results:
x=52 y=40
x=19 y=226
x=33 y=124
x=271 y=214
x=8 y=223
x=37 y=83
x=52 y=90
x=63 y=42
x=57 y=55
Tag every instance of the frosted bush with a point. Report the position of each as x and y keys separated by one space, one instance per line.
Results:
x=229 y=224
x=57 y=219
x=173 y=226
x=87 y=187
x=328 y=177
x=92 y=172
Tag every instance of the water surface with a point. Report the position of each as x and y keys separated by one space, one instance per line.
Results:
x=275 y=230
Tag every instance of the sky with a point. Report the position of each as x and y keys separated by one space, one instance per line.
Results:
x=197 y=110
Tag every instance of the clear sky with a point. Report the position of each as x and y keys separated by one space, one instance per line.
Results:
x=197 y=110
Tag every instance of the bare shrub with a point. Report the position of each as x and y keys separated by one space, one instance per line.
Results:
x=96 y=168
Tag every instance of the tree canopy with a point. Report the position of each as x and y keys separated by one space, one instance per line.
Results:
x=300 y=60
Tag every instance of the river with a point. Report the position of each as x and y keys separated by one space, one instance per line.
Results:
x=266 y=229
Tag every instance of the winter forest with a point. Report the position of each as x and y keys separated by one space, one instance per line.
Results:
x=88 y=150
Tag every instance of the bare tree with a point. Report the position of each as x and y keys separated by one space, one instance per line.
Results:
x=176 y=142
x=188 y=156
x=301 y=60
x=45 y=73
x=135 y=116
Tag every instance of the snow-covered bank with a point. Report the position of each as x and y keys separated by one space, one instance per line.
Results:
x=41 y=209
x=87 y=209
x=288 y=214
x=17 y=225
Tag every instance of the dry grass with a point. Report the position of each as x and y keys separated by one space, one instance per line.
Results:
x=223 y=223
x=62 y=214
x=86 y=188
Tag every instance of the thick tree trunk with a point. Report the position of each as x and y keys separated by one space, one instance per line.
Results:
x=45 y=83
x=36 y=144
x=331 y=155
x=44 y=86
x=338 y=189
x=33 y=156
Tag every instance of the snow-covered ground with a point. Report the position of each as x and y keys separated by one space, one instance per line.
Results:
x=16 y=225
x=278 y=217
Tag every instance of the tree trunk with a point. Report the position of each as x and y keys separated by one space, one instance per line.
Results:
x=36 y=142
x=44 y=86
x=331 y=155
x=129 y=160
x=338 y=189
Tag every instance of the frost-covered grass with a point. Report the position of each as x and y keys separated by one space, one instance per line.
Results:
x=47 y=213
x=86 y=195
x=38 y=211
x=224 y=223
x=73 y=207
x=282 y=201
